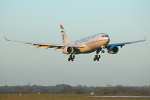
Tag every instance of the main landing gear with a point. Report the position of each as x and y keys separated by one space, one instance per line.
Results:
x=97 y=57
x=71 y=57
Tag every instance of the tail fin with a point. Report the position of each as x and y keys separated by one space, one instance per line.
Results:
x=64 y=35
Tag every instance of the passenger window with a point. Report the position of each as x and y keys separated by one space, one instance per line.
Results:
x=104 y=35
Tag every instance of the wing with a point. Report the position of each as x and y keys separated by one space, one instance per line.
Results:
x=47 y=45
x=122 y=44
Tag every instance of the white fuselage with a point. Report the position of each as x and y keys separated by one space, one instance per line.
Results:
x=91 y=43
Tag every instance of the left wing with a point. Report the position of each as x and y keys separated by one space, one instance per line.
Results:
x=122 y=44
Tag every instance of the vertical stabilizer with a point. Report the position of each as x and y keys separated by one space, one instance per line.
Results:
x=64 y=35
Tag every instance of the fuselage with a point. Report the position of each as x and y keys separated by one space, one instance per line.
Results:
x=91 y=43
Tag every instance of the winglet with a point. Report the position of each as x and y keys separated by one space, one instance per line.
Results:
x=6 y=39
x=145 y=38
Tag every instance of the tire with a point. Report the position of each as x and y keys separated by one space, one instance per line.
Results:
x=68 y=59
x=70 y=56
x=71 y=59
x=103 y=51
x=95 y=56
x=97 y=59
x=73 y=56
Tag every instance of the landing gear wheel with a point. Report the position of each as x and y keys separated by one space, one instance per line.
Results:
x=102 y=51
x=68 y=59
x=97 y=57
x=71 y=57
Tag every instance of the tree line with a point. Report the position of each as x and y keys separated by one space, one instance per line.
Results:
x=68 y=89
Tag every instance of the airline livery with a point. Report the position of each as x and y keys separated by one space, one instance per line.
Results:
x=97 y=42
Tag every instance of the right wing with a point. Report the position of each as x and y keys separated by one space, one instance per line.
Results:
x=47 y=45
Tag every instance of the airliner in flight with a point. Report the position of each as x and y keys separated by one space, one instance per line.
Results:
x=97 y=42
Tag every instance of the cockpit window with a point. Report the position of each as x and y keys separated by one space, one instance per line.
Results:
x=104 y=35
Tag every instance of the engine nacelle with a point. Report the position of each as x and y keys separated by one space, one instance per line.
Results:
x=113 y=50
x=68 y=50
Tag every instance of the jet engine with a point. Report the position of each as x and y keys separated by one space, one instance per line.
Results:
x=113 y=50
x=68 y=50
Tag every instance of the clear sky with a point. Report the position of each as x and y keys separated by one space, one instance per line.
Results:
x=39 y=21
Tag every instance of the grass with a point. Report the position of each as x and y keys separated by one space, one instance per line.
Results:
x=60 y=97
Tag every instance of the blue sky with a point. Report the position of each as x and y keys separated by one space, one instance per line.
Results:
x=38 y=21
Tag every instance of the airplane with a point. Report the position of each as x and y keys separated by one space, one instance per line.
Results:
x=97 y=42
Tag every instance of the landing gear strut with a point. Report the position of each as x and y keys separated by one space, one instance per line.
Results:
x=71 y=57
